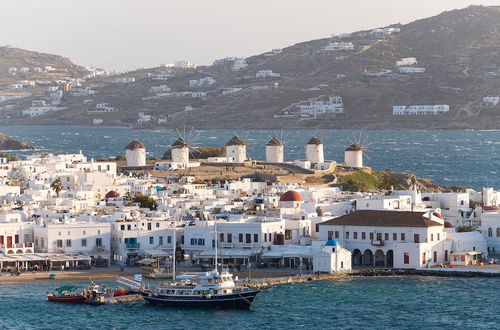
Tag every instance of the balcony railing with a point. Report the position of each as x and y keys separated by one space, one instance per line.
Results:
x=378 y=242
x=133 y=245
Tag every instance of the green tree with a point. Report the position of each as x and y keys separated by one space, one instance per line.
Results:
x=145 y=201
x=57 y=186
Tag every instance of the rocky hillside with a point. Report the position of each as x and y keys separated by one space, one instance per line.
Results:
x=11 y=57
x=7 y=143
x=459 y=49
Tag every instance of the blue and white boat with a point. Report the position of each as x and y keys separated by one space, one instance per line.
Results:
x=202 y=289
x=207 y=289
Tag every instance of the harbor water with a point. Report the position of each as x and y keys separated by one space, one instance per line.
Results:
x=408 y=302
x=451 y=158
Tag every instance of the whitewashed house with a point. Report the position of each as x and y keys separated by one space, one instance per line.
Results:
x=239 y=64
x=70 y=236
x=397 y=239
x=490 y=101
x=407 y=61
x=402 y=110
x=266 y=74
x=332 y=258
x=336 y=46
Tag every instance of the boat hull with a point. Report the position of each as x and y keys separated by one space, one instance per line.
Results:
x=242 y=300
x=73 y=299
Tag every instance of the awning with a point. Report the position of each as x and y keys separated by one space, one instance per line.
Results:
x=228 y=253
x=157 y=253
x=146 y=261
x=290 y=251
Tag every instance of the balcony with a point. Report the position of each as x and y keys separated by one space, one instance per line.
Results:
x=226 y=245
x=377 y=242
x=133 y=245
x=16 y=248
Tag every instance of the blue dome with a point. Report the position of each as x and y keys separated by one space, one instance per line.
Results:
x=332 y=242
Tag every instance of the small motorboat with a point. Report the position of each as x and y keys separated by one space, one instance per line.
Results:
x=119 y=291
x=67 y=294
x=96 y=290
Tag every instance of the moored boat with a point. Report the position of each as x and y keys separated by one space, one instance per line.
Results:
x=119 y=291
x=67 y=294
x=209 y=289
x=206 y=289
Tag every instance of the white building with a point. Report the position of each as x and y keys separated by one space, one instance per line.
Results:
x=41 y=110
x=410 y=69
x=124 y=80
x=266 y=74
x=275 y=151
x=334 y=104
x=314 y=151
x=135 y=153
x=490 y=101
x=237 y=149
x=354 y=156
x=239 y=64
x=162 y=76
x=102 y=107
x=407 y=61
x=180 y=152
x=336 y=46
x=70 y=236
x=159 y=89
x=391 y=238
x=439 y=109
x=205 y=81
x=231 y=91
x=490 y=228
x=332 y=258
x=184 y=64
x=143 y=118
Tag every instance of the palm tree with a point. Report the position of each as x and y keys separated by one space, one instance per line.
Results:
x=57 y=186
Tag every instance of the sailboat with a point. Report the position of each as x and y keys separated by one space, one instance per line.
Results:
x=212 y=289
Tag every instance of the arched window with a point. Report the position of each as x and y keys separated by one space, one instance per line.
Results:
x=498 y=232
x=490 y=232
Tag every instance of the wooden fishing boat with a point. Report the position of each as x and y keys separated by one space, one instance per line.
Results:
x=67 y=294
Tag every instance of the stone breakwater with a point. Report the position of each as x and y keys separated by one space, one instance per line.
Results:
x=445 y=272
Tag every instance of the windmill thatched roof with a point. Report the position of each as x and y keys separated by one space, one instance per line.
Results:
x=235 y=141
x=136 y=144
x=275 y=141
x=354 y=147
x=314 y=140
x=180 y=143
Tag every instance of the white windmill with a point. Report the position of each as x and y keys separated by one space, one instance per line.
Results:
x=135 y=153
x=353 y=154
x=236 y=149
x=275 y=148
x=183 y=146
x=314 y=151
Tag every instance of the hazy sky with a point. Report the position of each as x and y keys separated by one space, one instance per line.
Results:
x=126 y=34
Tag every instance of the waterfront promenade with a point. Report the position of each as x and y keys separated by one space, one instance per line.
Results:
x=258 y=276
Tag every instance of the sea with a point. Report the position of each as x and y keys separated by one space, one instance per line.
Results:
x=465 y=158
x=408 y=302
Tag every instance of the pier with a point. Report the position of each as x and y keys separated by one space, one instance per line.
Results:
x=115 y=300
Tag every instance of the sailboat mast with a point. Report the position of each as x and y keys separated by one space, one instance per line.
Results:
x=216 y=243
x=174 y=255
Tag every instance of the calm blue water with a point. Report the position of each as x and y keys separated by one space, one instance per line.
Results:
x=462 y=158
x=352 y=303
